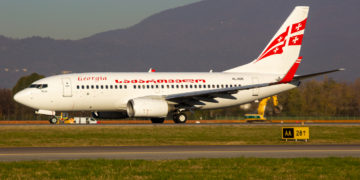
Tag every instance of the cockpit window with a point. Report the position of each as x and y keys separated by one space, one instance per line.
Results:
x=38 y=86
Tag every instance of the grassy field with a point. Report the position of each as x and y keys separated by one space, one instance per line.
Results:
x=234 y=168
x=27 y=136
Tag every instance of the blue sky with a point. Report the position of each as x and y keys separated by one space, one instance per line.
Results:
x=75 y=19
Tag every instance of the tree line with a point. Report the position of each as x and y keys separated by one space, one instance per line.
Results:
x=325 y=97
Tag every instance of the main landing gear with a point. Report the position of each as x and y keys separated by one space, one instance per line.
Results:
x=180 y=117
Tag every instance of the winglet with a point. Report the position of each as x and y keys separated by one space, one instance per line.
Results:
x=291 y=73
x=151 y=70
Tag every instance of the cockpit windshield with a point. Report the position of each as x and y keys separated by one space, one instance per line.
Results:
x=39 y=86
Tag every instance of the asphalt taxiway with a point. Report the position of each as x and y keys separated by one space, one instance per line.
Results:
x=208 y=124
x=178 y=152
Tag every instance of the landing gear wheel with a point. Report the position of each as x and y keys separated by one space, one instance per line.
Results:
x=157 y=120
x=53 y=120
x=180 y=118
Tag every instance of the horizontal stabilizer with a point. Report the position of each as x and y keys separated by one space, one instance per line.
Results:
x=317 y=74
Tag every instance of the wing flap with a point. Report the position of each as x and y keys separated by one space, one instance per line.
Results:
x=214 y=92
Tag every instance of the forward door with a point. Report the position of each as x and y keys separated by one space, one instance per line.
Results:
x=67 y=91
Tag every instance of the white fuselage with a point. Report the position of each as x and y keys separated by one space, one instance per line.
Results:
x=112 y=91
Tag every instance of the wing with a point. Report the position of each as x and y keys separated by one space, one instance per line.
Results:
x=316 y=74
x=193 y=98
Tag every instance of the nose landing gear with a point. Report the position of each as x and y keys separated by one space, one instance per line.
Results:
x=53 y=120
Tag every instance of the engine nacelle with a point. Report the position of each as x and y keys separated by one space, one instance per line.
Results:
x=147 y=107
x=110 y=115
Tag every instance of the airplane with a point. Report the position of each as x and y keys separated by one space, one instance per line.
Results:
x=156 y=95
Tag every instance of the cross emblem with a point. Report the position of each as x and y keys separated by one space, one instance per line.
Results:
x=275 y=50
x=280 y=38
x=298 y=26
x=295 y=40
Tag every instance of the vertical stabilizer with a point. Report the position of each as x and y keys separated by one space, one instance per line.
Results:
x=284 y=48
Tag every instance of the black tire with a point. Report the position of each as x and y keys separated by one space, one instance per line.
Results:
x=157 y=120
x=53 y=120
x=180 y=118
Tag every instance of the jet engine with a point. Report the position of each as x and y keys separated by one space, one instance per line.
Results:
x=147 y=107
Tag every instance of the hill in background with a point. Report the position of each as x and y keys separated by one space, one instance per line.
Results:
x=207 y=35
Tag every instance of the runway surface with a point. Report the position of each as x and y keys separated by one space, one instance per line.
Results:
x=178 y=152
x=210 y=124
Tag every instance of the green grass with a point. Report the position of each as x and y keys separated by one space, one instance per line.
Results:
x=232 y=168
x=286 y=117
x=32 y=136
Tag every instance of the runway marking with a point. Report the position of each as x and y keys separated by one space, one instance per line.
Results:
x=176 y=152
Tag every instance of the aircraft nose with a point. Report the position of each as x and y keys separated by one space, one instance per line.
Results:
x=21 y=96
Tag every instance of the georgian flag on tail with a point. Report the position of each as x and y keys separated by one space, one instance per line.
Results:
x=283 y=49
x=278 y=44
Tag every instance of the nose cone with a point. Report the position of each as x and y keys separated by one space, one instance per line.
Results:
x=22 y=97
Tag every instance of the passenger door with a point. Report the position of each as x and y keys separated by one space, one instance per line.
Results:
x=67 y=91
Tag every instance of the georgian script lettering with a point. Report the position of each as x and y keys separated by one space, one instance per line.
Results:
x=143 y=81
x=91 y=78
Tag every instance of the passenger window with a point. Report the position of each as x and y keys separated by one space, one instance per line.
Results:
x=125 y=86
x=77 y=87
x=92 y=86
x=172 y=86
x=106 y=86
x=191 y=86
x=162 y=86
x=120 y=86
x=195 y=86
x=147 y=87
x=102 y=87
x=152 y=86
x=97 y=86
x=199 y=86
x=182 y=86
x=82 y=87
x=157 y=86
x=217 y=86
x=167 y=86
x=143 y=86
x=177 y=86
x=204 y=86
x=139 y=87
x=230 y=85
x=111 y=86
x=226 y=86
x=186 y=86
x=134 y=86
x=115 y=86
